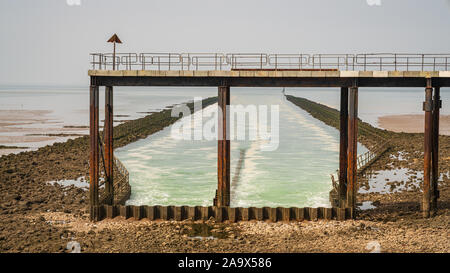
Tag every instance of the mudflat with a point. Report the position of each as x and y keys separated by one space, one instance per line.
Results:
x=31 y=129
x=412 y=123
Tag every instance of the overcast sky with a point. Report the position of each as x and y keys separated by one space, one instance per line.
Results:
x=49 y=41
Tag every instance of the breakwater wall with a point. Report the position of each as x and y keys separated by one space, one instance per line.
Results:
x=221 y=214
x=369 y=136
x=140 y=128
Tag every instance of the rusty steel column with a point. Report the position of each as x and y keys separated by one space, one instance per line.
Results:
x=109 y=148
x=343 y=137
x=352 y=148
x=437 y=104
x=94 y=153
x=428 y=138
x=222 y=198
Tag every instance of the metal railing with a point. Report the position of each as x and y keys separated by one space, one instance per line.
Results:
x=362 y=162
x=393 y=61
x=264 y=61
x=121 y=181
x=337 y=61
x=365 y=159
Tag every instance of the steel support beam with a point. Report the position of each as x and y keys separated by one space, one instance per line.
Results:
x=94 y=154
x=222 y=198
x=265 y=81
x=343 y=137
x=435 y=150
x=109 y=145
x=352 y=148
x=428 y=139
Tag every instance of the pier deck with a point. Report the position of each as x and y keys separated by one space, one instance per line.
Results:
x=256 y=78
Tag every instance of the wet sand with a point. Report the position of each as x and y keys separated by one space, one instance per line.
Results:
x=11 y=151
x=412 y=123
x=31 y=129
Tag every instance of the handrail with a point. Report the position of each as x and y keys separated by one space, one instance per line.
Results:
x=362 y=162
x=280 y=61
x=121 y=181
x=382 y=61
x=246 y=60
x=346 y=61
x=230 y=61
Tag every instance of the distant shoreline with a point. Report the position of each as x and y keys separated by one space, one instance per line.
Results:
x=412 y=123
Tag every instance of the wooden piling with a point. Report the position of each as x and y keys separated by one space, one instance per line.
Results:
x=313 y=214
x=144 y=212
x=164 y=213
x=259 y=214
x=222 y=214
x=94 y=154
x=232 y=217
x=352 y=148
x=327 y=213
x=286 y=214
x=184 y=212
x=109 y=154
x=223 y=158
x=300 y=214
x=244 y=214
x=435 y=150
x=219 y=214
x=340 y=214
x=151 y=215
x=192 y=215
x=178 y=213
x=273 y=214
x=204 y=213
x=343 y=128
x=110 y=212
x=428 y=138
x=171 y=212
x=137 y=212
x=124 y=211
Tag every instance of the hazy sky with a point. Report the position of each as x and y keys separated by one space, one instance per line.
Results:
x=49 y=41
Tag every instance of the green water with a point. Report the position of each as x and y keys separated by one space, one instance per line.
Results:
x=168 y=171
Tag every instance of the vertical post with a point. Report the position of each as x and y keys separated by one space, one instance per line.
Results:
x=352 y=147
x=94 y=153
x=109 y=145
x=343 y=128
x=114 y=56
x=435 y=150
x=223 y=150
x=428 y=137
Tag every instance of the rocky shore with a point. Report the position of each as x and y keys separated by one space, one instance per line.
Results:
x=37 y=216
